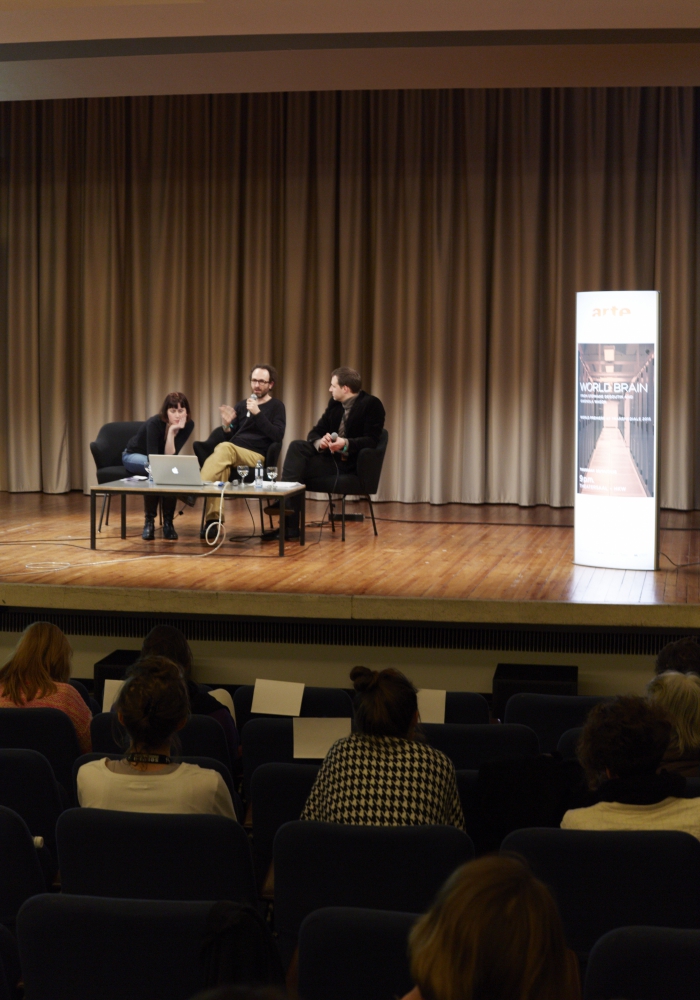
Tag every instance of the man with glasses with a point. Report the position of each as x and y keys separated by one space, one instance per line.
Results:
x=248 y=429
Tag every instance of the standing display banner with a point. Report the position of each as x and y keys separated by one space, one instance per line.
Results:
x=616 y=507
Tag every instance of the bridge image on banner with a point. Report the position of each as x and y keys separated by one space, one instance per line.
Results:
x=616 y=419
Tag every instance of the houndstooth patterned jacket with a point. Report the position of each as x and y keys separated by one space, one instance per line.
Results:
x=385 y=781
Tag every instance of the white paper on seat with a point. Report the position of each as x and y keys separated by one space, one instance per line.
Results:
x=431 y=705
x=112 y=689
x=287 y=486
x=222 y=696
x=314 y=737
x=277 y=697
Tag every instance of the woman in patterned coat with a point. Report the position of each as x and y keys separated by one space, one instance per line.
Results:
x=382 y=775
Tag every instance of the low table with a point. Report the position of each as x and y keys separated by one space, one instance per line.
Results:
x=123 y=489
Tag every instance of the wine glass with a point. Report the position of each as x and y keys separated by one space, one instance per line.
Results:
x=272 y=475
x=242 y=471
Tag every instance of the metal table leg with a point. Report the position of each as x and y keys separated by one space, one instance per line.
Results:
x=302 y=526
x=123 y=496
x=283 y=523
x=93 y=518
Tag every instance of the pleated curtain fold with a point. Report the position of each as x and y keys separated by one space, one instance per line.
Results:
x=435 y=240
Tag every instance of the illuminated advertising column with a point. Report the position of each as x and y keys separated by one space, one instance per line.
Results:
x=617 y=377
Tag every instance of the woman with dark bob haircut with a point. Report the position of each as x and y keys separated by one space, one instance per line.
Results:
x=621 y=748
x=163 y=434
x=153 y=706
x=493 y=933
x=382 y=775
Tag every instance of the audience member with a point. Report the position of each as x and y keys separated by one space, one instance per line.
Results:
x=621 y=748
x=679 y=696
x=382 y=775
x=153 y=706
x=682 y=656
x=493 y=933
x=37 y=677
x=167 y=641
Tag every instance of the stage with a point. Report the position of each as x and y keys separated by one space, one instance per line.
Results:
x=453 y=563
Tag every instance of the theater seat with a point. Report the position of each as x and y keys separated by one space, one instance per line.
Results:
x=316 y=703
x=647 y=963
x=354 y=954
x=468 y=747
x=202 y=736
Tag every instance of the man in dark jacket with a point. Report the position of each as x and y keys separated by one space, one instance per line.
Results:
x=353 y=420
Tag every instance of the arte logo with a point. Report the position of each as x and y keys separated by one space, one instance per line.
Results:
x=612 y=311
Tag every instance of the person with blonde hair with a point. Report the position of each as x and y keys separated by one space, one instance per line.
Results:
x=37 y=677
x=679 y=694
x=493 y=933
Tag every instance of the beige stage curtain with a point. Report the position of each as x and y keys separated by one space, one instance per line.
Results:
x=435 y=240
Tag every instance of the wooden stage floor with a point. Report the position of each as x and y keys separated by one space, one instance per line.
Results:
x=491 y=563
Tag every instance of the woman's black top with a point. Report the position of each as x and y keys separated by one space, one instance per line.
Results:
x=150 y=437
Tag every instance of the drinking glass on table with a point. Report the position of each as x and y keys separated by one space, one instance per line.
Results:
x=242 y=471
x=272 y=474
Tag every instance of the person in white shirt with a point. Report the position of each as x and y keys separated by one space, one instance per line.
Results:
x=622 y=746
x=153 y=705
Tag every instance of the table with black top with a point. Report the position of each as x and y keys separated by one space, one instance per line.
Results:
x=123 y=489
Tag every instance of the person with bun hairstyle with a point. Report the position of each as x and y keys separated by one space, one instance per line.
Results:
x=37 y=677
x=493 y=933
x=168 y=641
x=382 y=775
x=152 y=706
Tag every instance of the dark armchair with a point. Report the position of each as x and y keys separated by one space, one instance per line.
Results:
x=363 y=482
x=107 y=450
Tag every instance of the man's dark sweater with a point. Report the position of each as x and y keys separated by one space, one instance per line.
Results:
x=255 y=432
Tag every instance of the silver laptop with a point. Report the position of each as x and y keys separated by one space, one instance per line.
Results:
x=175 y=470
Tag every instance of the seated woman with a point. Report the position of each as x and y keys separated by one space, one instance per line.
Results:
x=494 y=933
x=621 y=747
x=163 y=434
x=37 y=677
x=164 y=640
x=153 y=706
x=679 y=695
x=382 y=775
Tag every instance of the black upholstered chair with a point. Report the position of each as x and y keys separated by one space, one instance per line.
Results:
x=363 y=482
x=107 y=450
x=203 y=450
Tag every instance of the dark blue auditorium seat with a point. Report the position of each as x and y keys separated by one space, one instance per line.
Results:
x=317 y=702
x=354 y=954
x=28 y=786
x=549 y=715
x=202 y=736
x=608 y=879
x=468 y=747
x=83 y=948
x=278 y=793
x=268 y=741
x=132 y=855
x=46 y=730
x=466 y=708
x=568 y=742
x=209 y=762
x=647 y=963
x=376 y=867
x=21 y=875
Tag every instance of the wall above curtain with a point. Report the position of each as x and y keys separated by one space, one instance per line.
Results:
x=433 y=239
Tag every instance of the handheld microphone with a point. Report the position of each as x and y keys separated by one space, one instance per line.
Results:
x=334 y=436
x=251 y=399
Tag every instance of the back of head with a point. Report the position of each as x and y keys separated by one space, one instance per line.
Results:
x=167 y=641
x=626 y=737
x=42 y=657
x=386 y=702
x=683 y=656
x=153 y=703
x=493 y=933
x=679 y=695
